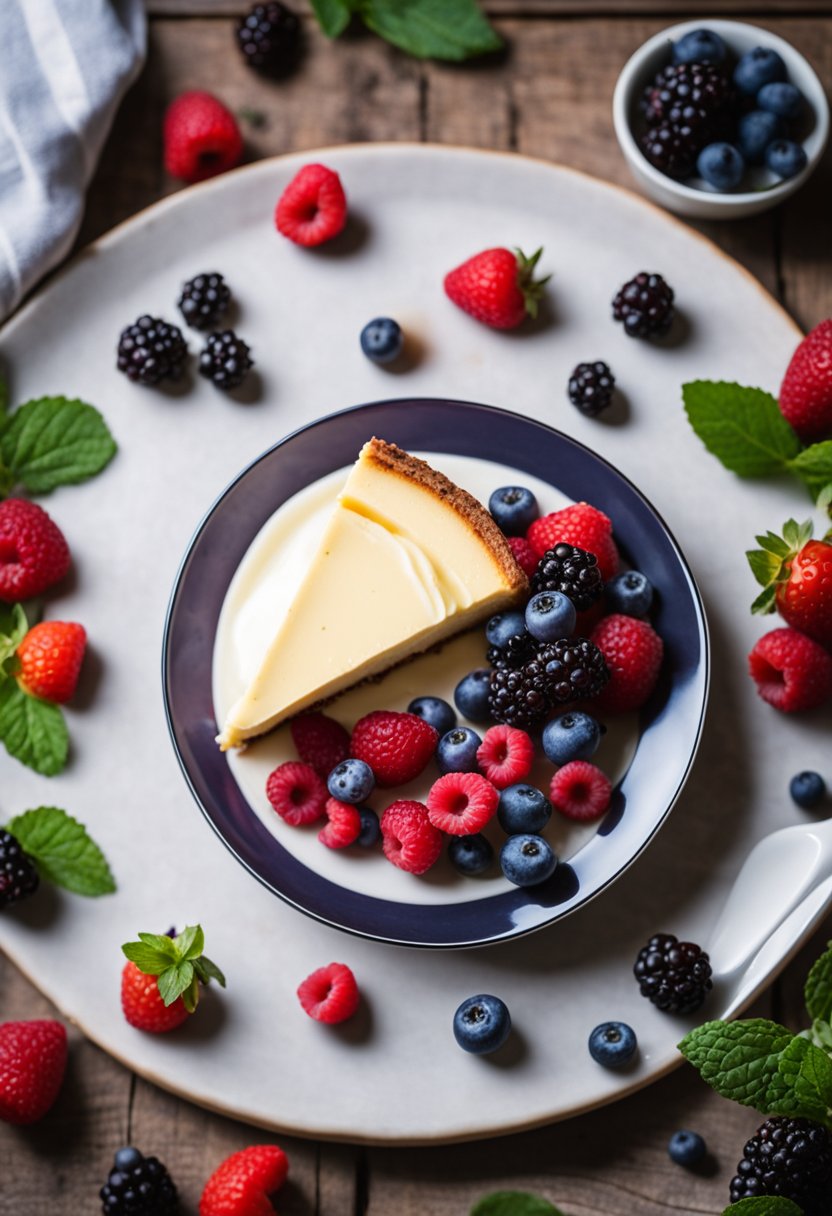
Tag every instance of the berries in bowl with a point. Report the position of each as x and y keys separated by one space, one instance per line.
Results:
x=721 y=120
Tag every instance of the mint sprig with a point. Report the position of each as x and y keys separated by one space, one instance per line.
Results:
x=514 y=1203
x=53 y=441
x=33 y=731
x=178 y=963
x=63 y=851
x=764 y=1205
x=13 y=629
x=428 y=29
x=817 y=992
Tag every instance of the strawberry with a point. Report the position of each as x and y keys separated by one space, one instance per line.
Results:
x=32 y=1065
x=160 y=984
x=579 y=524
x=806 y=391
x=396 y=746
x=791 y=671
x=241 y=1185
x=633 y=653
x=142 y=1005
x=201 y=137
x=33 y=552
x=796 y=574
x=50 y=658
x=321 y=742
x=330 y=994
x=313 y=207
x=497 y=287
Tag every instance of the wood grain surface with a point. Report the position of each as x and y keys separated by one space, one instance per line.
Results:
x=548 y=96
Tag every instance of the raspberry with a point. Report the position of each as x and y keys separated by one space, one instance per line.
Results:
x=18 y=876
x=343 y=824
x=791 y=671
x=674 y=975
x=321 y=742
x=788 y=1157
x=33 y=552
x=297 y=793
x=633 y=653
x=269 y=37
x=201 y=137
x=524 y=554
x=505 y=755
x=571 y=571
x=50 y=658
x=313 y=207
x=204 y=300
x=143 y=1006
x=645 y=306
x=580 y=791
x=462 y=803
x=240 y=1186
x=396 y=746
x=409 y=839
x=330 y=994
x=32 y=1065
x=138 y=1186
x=580 y=525
x=151 y=350
x=226 y=360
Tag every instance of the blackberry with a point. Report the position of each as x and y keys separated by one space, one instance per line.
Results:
x=151 y=350
x=225 y=360
x=791 y=1158
x=591 y=387
x=674 y=975
x=571 y=669
x=644 y=305
x=269 y=37
x=698 y=96
x=138 y=1186
x=18 y=876
x=572 y=571
x=516 y=696
x=204 y=300
x=671 y=149
x=516 y=651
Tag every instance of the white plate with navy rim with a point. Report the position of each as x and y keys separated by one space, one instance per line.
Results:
x=424 y=210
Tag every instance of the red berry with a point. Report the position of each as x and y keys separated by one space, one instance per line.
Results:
x=343 y=825
x=321 y=742
x=581 y=525
x=806 y=391
x=240 y=1186
x=633 y=653
x=33 y=552
x=791 y=671
x=330 y=994
x=313 y=207
x=462 y=803
x=796 y=573
x=396 y=746
x=505 y=755
x=497 y=287
x=580 y=791
x=524 y=554
x=50 y=658
x=201 y=137
x=297 y=793
x=143 y=1006
x=32 y=1065
x=409 y=839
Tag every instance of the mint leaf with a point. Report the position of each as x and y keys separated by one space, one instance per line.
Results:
x=148 y=960
x=818 y=989
x=824 y=499
x=431 y=29
x=191 y=942
x=333 y=16
x=32 y=730
x=820 y=1034
x=13 y=629
x=54 y=442
x=742 y=427
x=207 y=971
x=514 y=1203
x=764 y=1205
x=63 y=850
x=814 y=466
x=173 y=981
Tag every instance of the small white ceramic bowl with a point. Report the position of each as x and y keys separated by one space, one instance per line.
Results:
x=695 y=198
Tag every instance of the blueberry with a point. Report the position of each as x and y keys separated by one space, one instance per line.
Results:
x=470 y=854
x=780 y=98
x=613 y=1044
x=513 y=508
x=758 y=67
x=471 y=695
x=786 y=158
x=630 y=593
x=699 y=46
x=351 y=781
x=523 y=809
x=436 y=712
x=721 y=166
x=127 y=1159
x=571 y=736
x=382 y=340
x=527 y=860
x=482 y=1024
x=370 y=828
x=503 y=626
x=686 y=1148
x=755 y=132
x=456 y=751
x=550 y=615
x=807 y=789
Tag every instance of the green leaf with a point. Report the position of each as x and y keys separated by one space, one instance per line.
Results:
x=162 y=943
x=814 y=466
x=514 y=1203
x=207 y=971
x=742 y=427
x=13 y=629
x=820 y=1034
x=764 y=1205
x=824 y=499
x=174 y=980
x=191 y=942
x=55 y=441
x=431 y=29
x=818 y=989
x=764 y=566
x=4 y=398
x=32 y=730
x=190 y=997
x=63 y=850
x=148 y=960
x=333 y=16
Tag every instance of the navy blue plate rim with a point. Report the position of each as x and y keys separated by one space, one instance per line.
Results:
x=674 y=716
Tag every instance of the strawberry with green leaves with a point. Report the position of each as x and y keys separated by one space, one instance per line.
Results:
x=160 y=985
x=795 y=572
x=497 y=287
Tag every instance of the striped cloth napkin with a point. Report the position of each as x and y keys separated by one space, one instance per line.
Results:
x=66 y=66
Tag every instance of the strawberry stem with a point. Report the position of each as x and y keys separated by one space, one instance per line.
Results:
x=531 y=288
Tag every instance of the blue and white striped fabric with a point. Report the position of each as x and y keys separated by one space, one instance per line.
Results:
x=65 y=66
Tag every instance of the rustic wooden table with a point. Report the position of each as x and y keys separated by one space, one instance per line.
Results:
x=548 y=97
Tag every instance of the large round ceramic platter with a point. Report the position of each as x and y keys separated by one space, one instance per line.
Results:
x=394 y=1073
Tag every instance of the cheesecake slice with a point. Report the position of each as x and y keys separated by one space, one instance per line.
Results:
x=407 y=560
